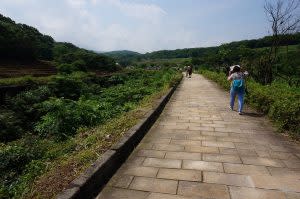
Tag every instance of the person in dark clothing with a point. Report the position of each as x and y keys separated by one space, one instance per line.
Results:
x=190 y=71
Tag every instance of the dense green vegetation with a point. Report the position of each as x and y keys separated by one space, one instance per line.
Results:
x=35 y=124
x=278 y=100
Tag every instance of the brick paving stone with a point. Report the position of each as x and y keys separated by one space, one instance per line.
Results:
x=176 y=127
x=227 y=179
x=168 y=147
x=292 y=195
x=188 y=132
x=168 y=196
x=191 y=124
x=134 y=160
x=245 y=146
x=202 y=149
x=234 y=130
x=162 y=163
x=201 y=137
x=228 y=151
x=173 y=135
x=262 y=161
x=202 y=165
x=204 y=190
x=210 y=133
x=218 y=144
x=246 y=152
x=160 y=141
x=121 y=181
x=180 y=174
x=283 y=156
x=115 y=193
x=252 y=193
x=232 y=139
x=221 y=158
x=279 y=148
x=140 y=171
x=213 y=125
x=292 y=164
x=186 y=142
x=154 y=185
x=145 y=146
x=201 y=128
x=286 y=172
x=245 y=169
x=277 y=182
x=183 y=156
x=263 y=154
x=151 y=153
x=241 y=135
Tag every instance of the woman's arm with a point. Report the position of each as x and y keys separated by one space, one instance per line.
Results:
x=229 y=78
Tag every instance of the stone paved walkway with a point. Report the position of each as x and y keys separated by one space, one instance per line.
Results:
x=200 y=149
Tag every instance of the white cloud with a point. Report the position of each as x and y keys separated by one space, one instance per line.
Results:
x=106 y=25
x=145 y=12
x=77 y=3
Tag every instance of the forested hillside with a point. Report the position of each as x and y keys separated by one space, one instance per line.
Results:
x=20 y=41
x=253 y=55
x=23 y=43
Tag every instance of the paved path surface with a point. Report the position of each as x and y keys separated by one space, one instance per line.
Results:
x=200 y=149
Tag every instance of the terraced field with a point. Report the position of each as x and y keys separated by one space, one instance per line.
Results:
x=17 y=69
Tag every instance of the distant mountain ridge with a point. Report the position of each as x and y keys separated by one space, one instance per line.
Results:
x=125 y=55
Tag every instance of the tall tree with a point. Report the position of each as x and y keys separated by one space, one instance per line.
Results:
x=284 y=19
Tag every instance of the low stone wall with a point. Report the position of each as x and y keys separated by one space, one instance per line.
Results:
x=91 y=182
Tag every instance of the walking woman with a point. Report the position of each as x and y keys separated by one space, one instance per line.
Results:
x=237 y=86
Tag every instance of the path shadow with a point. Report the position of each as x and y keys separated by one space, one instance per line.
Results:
x=253 y=114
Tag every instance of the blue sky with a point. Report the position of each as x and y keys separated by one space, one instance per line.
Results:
x=142 y=25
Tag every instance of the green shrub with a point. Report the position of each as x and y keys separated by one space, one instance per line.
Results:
x=78 y=65
x=10 y=126
x=20 y=164
x=286 y=113
x=67 y=86
x=15 y=156
x=25 y=105
x=63 y=116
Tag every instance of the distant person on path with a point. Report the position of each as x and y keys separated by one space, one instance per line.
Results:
x=189 y=71
x=237 y=86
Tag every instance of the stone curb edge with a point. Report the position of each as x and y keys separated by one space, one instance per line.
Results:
x=91 y=182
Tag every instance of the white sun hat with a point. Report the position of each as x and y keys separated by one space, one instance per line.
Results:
x=232 y=67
